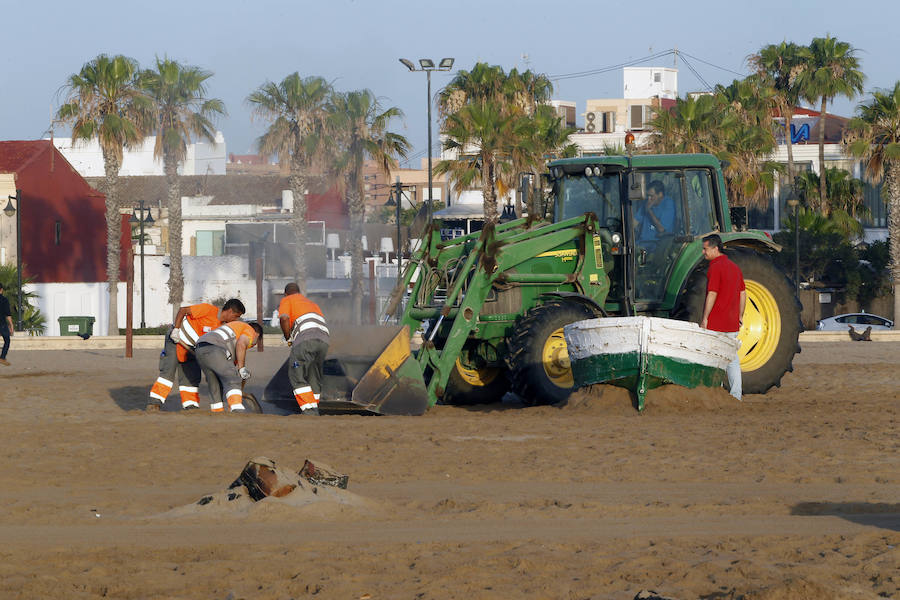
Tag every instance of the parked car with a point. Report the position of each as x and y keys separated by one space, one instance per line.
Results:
x=859 y=321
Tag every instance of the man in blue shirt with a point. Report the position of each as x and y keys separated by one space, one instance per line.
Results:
x=656 y=216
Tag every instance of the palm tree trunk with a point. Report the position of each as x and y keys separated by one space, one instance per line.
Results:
x=298 y=222
x=176 y=272
x=788 y=117
x=111 y=166
x=489 y=192
x=357 y=230
x=892 y=180
x=823 y=201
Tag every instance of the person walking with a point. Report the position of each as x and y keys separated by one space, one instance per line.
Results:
x=6 y=326
x=306 y=331
x=222 y=355
x=726 y=298
x=177 y=358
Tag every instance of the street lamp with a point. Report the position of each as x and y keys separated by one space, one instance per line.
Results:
x=149 y=220
x=427 y=65
x=10 y=211
x=794 y=203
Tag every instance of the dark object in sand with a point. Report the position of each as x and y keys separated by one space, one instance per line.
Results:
x=865 y=336
x=319 y=474
x=650 y=595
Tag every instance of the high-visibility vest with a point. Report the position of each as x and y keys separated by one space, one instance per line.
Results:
x=201 y=319
x=227 y=336
x=306 y=317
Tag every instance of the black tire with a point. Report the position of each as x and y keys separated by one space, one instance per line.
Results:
x=532 y=380
x=251 y=405
x=463 y=389
x=768 y=291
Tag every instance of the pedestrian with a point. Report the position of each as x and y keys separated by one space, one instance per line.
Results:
x=177 y=358
x=6 y=326
x=306 y=332
x=726 y=297
x=222 y=355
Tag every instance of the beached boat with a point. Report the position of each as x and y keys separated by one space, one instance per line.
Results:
x=641 y=353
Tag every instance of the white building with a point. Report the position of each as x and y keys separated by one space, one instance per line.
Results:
x=202 y=158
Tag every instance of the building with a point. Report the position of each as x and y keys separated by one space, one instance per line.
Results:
x=203 y=158
x=63 y=224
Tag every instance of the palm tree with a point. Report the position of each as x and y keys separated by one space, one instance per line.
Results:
x=833 y=70
x=182 y=112
x=297 y=109
x=689 y=127
x=359 y=126
x=104 y=101
x=779 y=66
x=874 y=135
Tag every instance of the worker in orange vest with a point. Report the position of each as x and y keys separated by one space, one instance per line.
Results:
x=222 y=355
x=177 y=358
x=306 y=332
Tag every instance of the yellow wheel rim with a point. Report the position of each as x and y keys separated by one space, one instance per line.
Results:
x=555 y=357
x=762 y=327
x=477 y=377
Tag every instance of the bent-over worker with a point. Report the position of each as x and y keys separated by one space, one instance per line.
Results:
x=306 y=332
x=222 y=354
x=726 y=297
x=177 y=358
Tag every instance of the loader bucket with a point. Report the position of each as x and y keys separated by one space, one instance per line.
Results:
x=368 y=369
x=393 y=384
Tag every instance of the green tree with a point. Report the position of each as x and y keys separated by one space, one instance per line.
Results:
x=297 y=111
x=32 y=318
x=874 y=136
x=182 y=113
x=779 y=66
x=104 y=101
x=845 y=196
x=358 y=126
x=833 y=70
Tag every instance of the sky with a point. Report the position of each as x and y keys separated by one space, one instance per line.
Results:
x=357 y=43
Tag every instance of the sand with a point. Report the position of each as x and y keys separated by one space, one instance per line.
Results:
x=792 y=495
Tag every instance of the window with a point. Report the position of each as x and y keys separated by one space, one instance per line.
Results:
x=57 y=233
x=700 y=204
x=657 y=77
x=210 y=243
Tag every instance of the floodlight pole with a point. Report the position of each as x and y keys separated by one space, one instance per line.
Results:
x=428 y=72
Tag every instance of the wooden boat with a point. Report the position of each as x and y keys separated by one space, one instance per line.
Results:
x=641 y=353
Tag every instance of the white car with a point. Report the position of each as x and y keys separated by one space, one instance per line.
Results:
x=859 y=321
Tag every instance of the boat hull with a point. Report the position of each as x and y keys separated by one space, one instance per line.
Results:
x=641 y=353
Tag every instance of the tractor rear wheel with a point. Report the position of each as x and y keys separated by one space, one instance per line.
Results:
x=771 y=319
x=538 y=359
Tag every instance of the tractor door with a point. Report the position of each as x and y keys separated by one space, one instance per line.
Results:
x=660 y=225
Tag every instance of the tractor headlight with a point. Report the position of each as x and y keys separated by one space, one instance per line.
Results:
x=615 y=238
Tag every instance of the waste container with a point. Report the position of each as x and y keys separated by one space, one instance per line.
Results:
x=76 y=325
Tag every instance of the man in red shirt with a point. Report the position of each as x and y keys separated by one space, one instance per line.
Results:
x=725 y=300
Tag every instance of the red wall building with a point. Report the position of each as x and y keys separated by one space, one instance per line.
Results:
x=62 y=218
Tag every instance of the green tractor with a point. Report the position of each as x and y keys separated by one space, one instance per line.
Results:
x=491 y=306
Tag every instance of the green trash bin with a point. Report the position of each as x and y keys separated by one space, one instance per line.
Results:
x=76 y=325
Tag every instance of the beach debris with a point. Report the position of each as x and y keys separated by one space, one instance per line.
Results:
x=650 y=595
x=865 y=336
x=262 y=478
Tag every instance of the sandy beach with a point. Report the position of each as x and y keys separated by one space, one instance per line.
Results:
x=791 y=495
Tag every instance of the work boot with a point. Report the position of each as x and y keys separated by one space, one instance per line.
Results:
x=3 y=361
x=153 y=405
x=238 y=410
x=311 y=412
x=190 y=407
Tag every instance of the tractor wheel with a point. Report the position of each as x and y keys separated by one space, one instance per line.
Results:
x=771 y=319
x=538 y=359
x=475 y=385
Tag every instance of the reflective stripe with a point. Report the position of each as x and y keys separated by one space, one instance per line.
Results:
x=306 y=326
x=188 y=336
x=302 y=390
x=191 y=403
x=222 y=334
x=158 y=397
x=316 y=396
x=237 y=406
x=309 y=405
x=216 y=406
x=235 y=392
x=165 y=382
x=186 y=388
x=310 y=315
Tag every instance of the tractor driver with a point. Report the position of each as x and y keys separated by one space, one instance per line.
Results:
x=654 y=217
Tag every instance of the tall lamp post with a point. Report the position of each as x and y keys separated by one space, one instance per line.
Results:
x=148 y=220
x=794 y=203
x=427 y=65
x=10 y=211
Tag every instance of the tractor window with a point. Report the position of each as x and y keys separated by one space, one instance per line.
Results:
x=659 y=227
x=700 y=205
x=578 y=194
